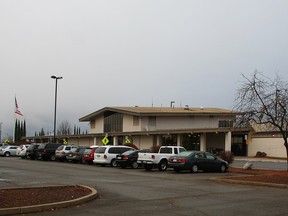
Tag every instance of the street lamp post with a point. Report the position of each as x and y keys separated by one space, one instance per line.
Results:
x=1 y=131
x=56 y=82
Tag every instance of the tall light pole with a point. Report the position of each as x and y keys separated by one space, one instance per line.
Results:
x=1 y=131
x=56 y=82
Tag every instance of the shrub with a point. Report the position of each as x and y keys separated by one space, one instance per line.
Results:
x=227 y=156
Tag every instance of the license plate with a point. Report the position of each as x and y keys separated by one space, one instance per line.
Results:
x=119 y=157
x=174 y=160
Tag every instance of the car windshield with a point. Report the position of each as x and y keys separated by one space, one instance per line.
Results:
x=185 y=154
x=60 y=148
x=100 y=150
x=88 y=151
x=74 y=149
x=128 y=152
x=42 y=146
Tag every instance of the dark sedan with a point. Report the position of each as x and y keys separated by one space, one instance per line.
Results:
x=129 y=158
x=196 y=161
x=76 y=156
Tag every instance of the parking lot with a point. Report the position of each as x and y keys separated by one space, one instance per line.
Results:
x=138 y=192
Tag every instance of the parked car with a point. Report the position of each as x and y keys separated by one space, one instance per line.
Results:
x=31 y=151
x=3 y=145
x=197 y=160
x=159 y=160
x=21 y=150
x=62 y=151
x=76 y=156
x=88 y=156
x=46 y=151
x=106 y=155
x=8 y=151
x=129 y=158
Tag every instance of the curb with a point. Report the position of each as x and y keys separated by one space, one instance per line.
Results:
x=233 y=181
x=49 y=206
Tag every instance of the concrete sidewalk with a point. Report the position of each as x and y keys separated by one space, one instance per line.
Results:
x=260 y=159
x=260 y=163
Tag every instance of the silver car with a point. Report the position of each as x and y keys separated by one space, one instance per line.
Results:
x=21 y=150
x=62 y=151
x=8 y=151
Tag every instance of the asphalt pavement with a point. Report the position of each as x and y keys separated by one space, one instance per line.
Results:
x=129 y=192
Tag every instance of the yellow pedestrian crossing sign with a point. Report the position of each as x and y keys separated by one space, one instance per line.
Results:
x=105 y=140
x=128 y=140
x=65 y=142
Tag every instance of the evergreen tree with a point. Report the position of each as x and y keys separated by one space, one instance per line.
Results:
x=24 y=129
x=42 y=133
x=16 y=131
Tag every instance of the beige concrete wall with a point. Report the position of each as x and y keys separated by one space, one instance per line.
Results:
x=99 y=125
x=128 y=124
x=273 y=147
x=166 y=123
x=82 y=142
x=143 y=142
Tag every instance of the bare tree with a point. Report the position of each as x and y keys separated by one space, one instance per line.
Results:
x=64 y=128
x=264 y=101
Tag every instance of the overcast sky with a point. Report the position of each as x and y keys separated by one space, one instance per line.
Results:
x=133 y=52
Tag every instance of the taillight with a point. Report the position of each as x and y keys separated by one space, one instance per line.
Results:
x=74 y=153
x=153 y=157
x=105 y=156
x=182 y=160
x=125 y=157
x=63 y=153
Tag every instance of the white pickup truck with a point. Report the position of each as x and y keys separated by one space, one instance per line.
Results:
x=158 y=160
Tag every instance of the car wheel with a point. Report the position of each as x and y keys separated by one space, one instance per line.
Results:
x=113 y=163
x=134 y=165
x=148 y=167
x=52 y=158
x=223 y=168
x=7 y=154
x=195 y=168
x=162 y=165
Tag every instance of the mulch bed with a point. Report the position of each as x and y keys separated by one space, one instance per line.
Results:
x=19 y=197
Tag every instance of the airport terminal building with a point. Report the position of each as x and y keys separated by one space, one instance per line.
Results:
x=207 y=129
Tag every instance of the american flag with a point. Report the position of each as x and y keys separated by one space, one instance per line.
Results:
x=17 y=111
